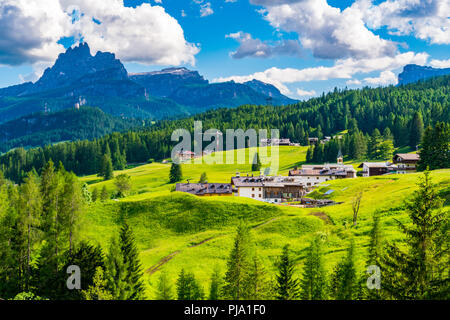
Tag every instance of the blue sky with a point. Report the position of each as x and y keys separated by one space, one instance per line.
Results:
x=304 y=47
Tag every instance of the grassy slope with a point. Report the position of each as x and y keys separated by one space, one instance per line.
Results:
x=175 y=223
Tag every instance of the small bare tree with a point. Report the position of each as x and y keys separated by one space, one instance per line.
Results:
x=355 y=206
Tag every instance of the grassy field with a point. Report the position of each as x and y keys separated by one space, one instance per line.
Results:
x=176 y=230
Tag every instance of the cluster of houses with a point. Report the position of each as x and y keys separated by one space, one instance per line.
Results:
x=300 y=182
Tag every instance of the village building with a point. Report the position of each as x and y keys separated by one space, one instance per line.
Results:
x=273 y=189
x=278 y=142
x=406 y=162
x=375 y=168
x=313 y=140
x=185 y=155
x=205 y=189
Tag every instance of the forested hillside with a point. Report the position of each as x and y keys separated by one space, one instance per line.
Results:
x=73 y=124
x=397 y=112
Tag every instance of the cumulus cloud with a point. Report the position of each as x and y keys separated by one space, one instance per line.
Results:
x=305 y=93
x=424 y=19
x=329 y=32
x=250 y=47
x=342 y=69
x=440 y=63
x=385 y=78
x=206 y=10
x=353 y=82
x=30 y=30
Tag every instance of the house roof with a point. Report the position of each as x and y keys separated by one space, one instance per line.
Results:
x=204 y=188
x=375 y=164
x=407 y=156
x=263 y=181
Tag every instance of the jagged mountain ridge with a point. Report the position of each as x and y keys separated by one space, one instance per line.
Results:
x=102 y=80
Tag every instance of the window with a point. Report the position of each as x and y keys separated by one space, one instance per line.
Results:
x=253 y=195
x=260 y=195
x=259 y=189
x=253 y=189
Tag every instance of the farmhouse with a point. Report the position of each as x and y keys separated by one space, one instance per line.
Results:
x=185 y=155
x=375 y=168
x=278 y=142
x=206 y=189
x=406 y=162
x=270 y=189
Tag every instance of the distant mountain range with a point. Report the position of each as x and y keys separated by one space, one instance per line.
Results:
x=78 y=78
x=413 y=73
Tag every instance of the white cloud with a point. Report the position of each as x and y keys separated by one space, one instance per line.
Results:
x=329 y=32
x=30 y=29
x=385 y=78
x=250 y=47
x=206 y=10
x=353 y=82
x=440 y=63
x=342 y=69
x=425 y=19
x=305 y=93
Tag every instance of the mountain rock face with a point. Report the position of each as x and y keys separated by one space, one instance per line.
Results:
x=102 y=81
x=412 y=73
x=163 y=83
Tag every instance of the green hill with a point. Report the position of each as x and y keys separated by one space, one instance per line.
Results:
x=177 y=230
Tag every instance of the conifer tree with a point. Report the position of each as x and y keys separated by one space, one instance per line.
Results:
x=238 y=265
x=313 y=283
x=215 y=289
x=188 y=288
x=287 y=287
x=95 y=195
x=344 y=281
x=104 y=195
x=98 y=290
x=164 y=290
x=106 y=169
x=416 y=130
x=256 y=164
x=175 y=174
x=435 y=151
x=257 y=284
x=421 y=271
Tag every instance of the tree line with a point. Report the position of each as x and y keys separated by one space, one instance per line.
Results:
x=377 y=119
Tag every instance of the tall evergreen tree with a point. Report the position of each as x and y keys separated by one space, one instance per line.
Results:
x=287 y=287
x=314 y=283
x=164 y=289
x=175 y=174
x=435 y=151
x=238 y=265
x=422 y=270
x=256 y=164
x=344 y=281
x=215 y=289
x=416 y=130
x=188 y=288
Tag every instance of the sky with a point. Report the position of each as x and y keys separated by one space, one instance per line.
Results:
x=303 y=47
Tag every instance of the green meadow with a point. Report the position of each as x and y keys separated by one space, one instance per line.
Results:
x=175 y=230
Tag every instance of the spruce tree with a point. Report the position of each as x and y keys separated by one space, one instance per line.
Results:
x=416 y=130
x=287 y=286
x=256 y=164
x=344 y=281
x=421 y=270
x=203 y=178
x=313 y=283
x=257 y=286
x=98 y=290
x=106 y=169
x=215 y=289
x=435 y=151
x=104 y=195
x=375 y=253
x=238 y=265
x=188 y=288
x=133 y=275
x=164 y=290
x=175 y=174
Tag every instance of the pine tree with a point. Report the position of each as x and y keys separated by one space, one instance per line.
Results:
x=416 y=130
x=422 y=270
x=238 y=265
x=164 y=290
x=95 y=195
x=344 y=281
x=375 y=253
x=256 y=164
x=106 y=169
x=215 y=290
x=435 y=151
x=257 y=284
x=175 y=174
x=313 y=283
x=188 y=288
x=287 y=287
x=30 y=207
x=123 y=185
x=133 y=276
